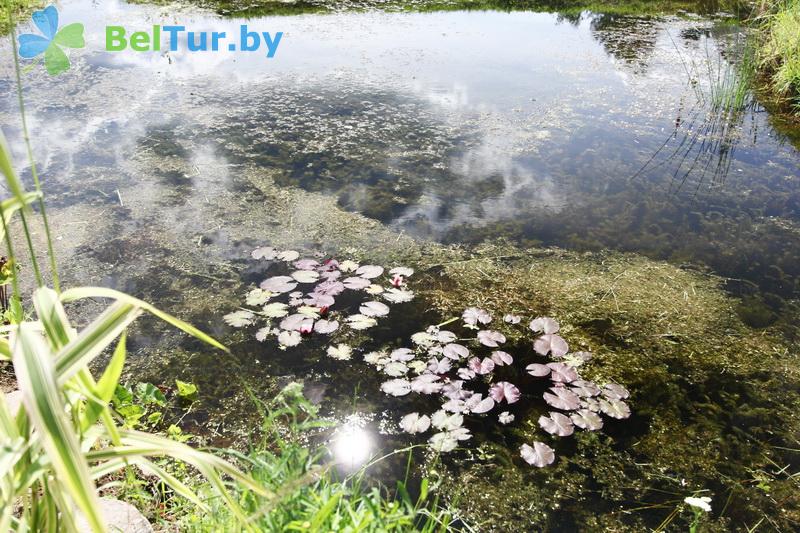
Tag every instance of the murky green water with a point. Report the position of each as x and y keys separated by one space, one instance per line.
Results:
x=518 y=129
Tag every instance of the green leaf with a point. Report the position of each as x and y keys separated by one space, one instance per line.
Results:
x=100 y=292
x=55 y=60
x=137 y=443
x=108 y=385
x=149 y=394
x=122 y=396
x=70 y=36
x=186 y=391
x=53 y=318
x=93 y=339
x=12 y=180
x=33 y=366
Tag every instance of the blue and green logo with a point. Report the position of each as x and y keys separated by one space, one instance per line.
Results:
x=51 y=41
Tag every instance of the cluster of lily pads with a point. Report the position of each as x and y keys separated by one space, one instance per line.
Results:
x=303 y=302
x=441 y=363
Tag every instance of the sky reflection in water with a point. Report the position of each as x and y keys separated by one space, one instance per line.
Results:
x=580 y=131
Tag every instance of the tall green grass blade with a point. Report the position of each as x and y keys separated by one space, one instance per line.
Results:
x=5 y=350
x=79 y=293
x=33 y=365
x=95 y=338
x=17 y=189
x=53 y=317
x=137 y=443
x=12 y=179
x=104 y=390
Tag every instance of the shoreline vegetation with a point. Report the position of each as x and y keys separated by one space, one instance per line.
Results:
x=777 y=28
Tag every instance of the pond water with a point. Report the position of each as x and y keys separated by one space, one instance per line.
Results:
x=585 y=132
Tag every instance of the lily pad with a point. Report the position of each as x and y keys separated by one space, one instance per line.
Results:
x=398 y=296
x=538 y=370
x=289 y=338
x=305 y=276
x=456 y=351
x=615 y=408
x=587 y=419
x=396 y=387
x=356 y=283
x=266 y=253
x=491 y=338
x=562 y=398
x=503 y=390
x=239 y=319
x=415 y=423
x=544 y=325
x=557 y=424
x=275 y=310
x=359 y=322
x=343 y=352
x=501 y=358
x=374 y=309
x=474 y=315
x=538 y=455
x=552 y=344
x=279 y=284
x=369 y=271
x=401 y=354
x=562 y=373
x=326 y=326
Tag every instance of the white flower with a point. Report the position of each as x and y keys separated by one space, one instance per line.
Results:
x=703 y=503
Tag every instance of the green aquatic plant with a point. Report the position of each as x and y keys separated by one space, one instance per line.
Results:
x=434 y=366
x=314 y=310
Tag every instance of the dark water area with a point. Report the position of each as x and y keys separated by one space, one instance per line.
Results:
x=581 y=130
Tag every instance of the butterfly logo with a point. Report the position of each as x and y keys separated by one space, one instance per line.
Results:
x=51 y=40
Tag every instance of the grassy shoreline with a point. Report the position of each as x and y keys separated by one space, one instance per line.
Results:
x=778 y=52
